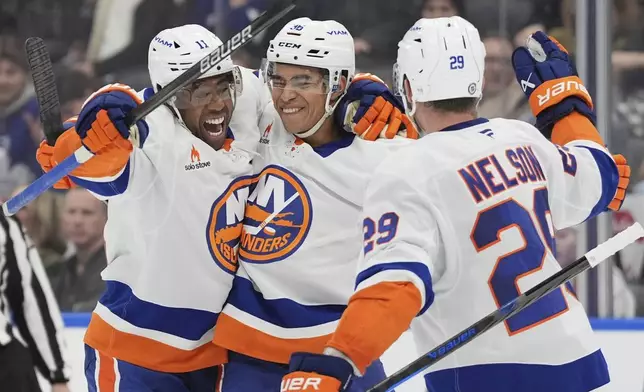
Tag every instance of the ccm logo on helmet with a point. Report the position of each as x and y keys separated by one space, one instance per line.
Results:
x=301 y=384
x=232 y=44
x=338 y=32
x=289 y=45
x=566 y=86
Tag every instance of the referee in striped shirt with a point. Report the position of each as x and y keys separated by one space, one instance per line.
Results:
x=29 y=316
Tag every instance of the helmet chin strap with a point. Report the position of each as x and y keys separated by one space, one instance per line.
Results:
x=327 y=113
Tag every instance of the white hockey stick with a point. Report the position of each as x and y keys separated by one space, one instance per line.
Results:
x=589 y=260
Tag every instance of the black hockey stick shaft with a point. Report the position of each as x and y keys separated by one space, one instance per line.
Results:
x=42 y=73
x=265 y=20
x=589 y=260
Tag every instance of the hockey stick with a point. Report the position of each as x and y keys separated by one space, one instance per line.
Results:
x=265 y=20
x=42 y=73
x=589 y=260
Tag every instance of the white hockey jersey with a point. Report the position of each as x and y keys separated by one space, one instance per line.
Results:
x=174 y=223
x=470 y=214
x=301 y=244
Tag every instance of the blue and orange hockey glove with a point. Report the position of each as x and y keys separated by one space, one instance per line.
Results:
x=101 y=122
x=317 y=373
x=549 y=79
x=107 y=162
x=371 y=111
x=45 y=157
x=624 y=178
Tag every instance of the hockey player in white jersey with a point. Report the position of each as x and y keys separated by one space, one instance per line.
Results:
x=175 y=206
x=301 y=242
x=169 y=271
x=462 y=221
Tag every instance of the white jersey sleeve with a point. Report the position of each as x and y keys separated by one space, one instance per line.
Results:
x=400 y=244
x=582 y=178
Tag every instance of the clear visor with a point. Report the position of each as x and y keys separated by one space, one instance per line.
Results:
x=204 y=91
x=305 y=79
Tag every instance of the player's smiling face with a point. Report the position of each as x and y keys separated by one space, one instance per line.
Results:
x=207 y=107
x=299 y=95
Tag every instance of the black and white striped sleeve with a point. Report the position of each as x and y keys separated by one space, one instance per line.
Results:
x=31 y=302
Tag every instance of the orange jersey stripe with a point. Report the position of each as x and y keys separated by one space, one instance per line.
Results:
x=106 y=374
x=149 y=353
x=573 y=127
x=375 y=319
x=240 y=338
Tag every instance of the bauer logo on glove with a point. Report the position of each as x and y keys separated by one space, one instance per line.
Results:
x=549 y=79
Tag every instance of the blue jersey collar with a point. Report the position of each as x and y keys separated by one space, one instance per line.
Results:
x=327 y=149
x=465 y=124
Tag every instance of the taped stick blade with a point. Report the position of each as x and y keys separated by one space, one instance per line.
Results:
x=44 y=80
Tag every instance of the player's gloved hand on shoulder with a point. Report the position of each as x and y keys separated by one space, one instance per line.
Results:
x=317 y=372
x=624 y=171
x=101 y=122
x=549 y=79
x=371 y=111
x=107 y=162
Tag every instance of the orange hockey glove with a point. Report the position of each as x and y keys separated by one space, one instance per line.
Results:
x=371 y=111
x=107 y=162
x=624 y=178
x=45 y=157
x=317 y=373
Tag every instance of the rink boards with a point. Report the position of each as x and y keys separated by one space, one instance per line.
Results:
x=621 y=340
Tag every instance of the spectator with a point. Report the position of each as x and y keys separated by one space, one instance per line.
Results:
x=20 y=130
x=41 y=221
x=77 y=280
x=501 y=95
x=442 y=8
x=11 y=176
x=74 y=87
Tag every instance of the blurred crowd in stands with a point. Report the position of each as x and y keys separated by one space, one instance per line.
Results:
x=94 y=42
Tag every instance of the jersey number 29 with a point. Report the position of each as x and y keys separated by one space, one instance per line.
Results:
x=525 y=259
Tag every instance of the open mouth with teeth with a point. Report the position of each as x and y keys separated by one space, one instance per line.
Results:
x=291 y=110
x=293 y=118
x=212 y=129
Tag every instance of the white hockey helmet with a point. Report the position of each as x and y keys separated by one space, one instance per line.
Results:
x=175 y=50
x=327 y=45
x=443 y=58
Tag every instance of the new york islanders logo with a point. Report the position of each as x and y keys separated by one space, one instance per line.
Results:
x=277 y=218
x=225 y=223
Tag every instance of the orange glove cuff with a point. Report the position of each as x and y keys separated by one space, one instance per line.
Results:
x=575 y=126
x=551 y=92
